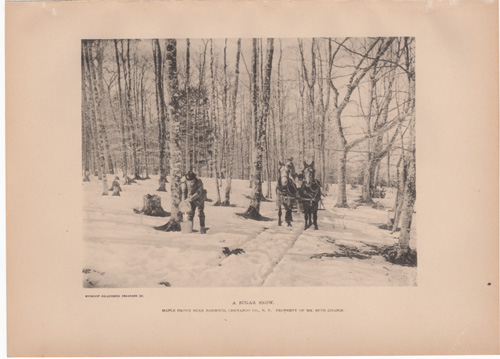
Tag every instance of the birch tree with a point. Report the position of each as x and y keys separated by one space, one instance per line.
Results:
x=102 y=108
x=160 y=109
x=175 y=150
x=410 y=193
x=122 y=116
x=131 y=123
x=95 y=108
x=214 y=117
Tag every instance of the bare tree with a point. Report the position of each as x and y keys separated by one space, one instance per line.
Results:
x=213 y=105
x=410 y=193
x=253 y=210
x=96 y=106
x=100 y=83
x=175 y=149
x=143 y=122
x=187 y=154
x=122 y=116
x=160 y=109
x=376 y=119
x=128 y=100
x=232 y=127
x=357 y=75
x=324 y=105
x=310 y=81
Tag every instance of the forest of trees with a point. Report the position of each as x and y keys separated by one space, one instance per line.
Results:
x=233 y=108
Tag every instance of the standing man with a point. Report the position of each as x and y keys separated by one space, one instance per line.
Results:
x=291 y=167
x=194 y=193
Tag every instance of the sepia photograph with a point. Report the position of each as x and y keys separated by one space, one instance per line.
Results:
x=240 y=178
x=249 y=162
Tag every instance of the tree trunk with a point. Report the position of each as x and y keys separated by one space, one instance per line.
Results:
x=410 y=188
x=341 y=180
x=160 y=107
x=241 y=141
x=174 y=143
x=253 y=210
x=96 y=101
x=232 y=127
x=86 y=147
x=322 y=151
x=132 y=121
x=268 y=167
x=407 y=210
x=389 y=169
x=152 y=206
x=187 y=155
x=398 y=205
x=215 y=134
x=122 y=117
x=279 y=140
x=303 y=131
x=94 y=134
x=366 y=193
x=144 y=138
x=199 y=118
x=100 y=83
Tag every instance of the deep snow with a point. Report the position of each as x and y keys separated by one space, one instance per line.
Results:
x=122 y=249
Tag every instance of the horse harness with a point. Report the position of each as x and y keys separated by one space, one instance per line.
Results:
x=316 y=194
x=289 y=195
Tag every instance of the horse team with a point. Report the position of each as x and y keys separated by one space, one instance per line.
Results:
x=302 y=189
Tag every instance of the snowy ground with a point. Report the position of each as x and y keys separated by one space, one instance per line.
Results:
x=122 y=249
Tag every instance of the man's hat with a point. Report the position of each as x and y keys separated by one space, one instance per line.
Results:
x=290 y=159
x=190 y=176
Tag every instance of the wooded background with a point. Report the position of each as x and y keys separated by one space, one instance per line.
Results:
x=233 y=108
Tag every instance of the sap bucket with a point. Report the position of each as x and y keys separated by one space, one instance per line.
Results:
x=187 y=226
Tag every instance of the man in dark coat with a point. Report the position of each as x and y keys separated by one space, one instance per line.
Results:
x=291 y=167
x=194 y=193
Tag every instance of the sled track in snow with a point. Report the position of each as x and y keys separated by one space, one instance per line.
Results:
x=281 y=256
x=262 y=252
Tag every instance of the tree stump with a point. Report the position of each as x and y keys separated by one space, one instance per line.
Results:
x=173 y=225
x=252 y=213
x=115 y=187
x=162 y=181
x=152 y=206
x=86 y=178
x=129 y=181
x=401 y=256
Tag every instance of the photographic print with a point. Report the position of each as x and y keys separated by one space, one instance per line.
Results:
x=249 y=162
x=240 y=178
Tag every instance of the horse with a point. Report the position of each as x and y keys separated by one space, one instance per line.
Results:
x=299 y=180
x=309 y=196
x=286 y=194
